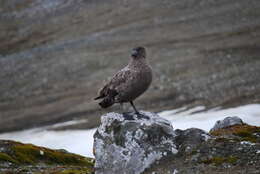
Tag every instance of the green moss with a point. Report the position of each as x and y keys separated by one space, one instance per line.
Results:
x=244 y=132
x=247 y=135
x=214 y=160
x=221 y=139
x=25 y=154
x=221 y=160
x=193 y=152
x=232 y=159
x=75 y=171
x=30 y=154
x=28 y=157
x=6 y=157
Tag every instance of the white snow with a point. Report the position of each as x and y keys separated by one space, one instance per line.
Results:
x=76 y=141
x=41 y=152
x=81 y=141
x=205 y=120
x=175 y=171
x=247 y=143
x=206 y=137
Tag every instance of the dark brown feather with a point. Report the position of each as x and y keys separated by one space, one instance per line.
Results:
x=99 y=97
x=109 y=99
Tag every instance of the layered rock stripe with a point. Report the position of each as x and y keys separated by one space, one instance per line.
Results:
x=53 y=54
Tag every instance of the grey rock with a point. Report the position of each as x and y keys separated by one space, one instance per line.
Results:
x=187 y=140
x=199 y=153
x=130 y=143
x=228 y=121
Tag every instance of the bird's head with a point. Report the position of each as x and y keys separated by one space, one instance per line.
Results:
x=138 y=52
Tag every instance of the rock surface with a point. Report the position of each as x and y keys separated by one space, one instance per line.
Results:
x=187 y=140
x=233 y=149
x=54 y=52
x=228 y=121
x=129 y=143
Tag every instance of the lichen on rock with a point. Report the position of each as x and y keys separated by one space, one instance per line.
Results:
x=129 y=143
x=233 y=148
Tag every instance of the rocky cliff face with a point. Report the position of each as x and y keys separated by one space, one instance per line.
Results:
x=149 y=145
x=53 y=54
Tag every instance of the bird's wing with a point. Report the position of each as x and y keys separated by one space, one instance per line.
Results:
x=120 y=78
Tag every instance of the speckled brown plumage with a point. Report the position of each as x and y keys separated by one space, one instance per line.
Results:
x=128 y=83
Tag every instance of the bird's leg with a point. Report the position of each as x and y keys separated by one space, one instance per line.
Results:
x=136 y=111
x=122 y=107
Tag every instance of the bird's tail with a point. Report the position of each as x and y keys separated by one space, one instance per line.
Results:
x=106 y=102
x=99 y=97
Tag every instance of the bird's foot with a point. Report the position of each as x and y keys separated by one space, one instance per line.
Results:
x=140 y=115
x=131 y=115
x=128 y=115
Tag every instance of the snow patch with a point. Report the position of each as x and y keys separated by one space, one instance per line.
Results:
x=41 y=152
x=175 y=171
x=247 y=143
x=250 y=114
x=206 y=137
x=76 y=141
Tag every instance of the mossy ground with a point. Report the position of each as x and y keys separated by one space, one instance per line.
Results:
x=242 y=132
x=48 y=170
x=25 y=158
x=6 y=158
x=220 y=160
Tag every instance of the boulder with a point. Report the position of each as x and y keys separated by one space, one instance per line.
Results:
x=235 y=148
x=147 y=144
x=227 y=122
x=187 y=140
x=130 y=143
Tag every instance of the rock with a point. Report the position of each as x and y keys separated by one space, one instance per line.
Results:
x=131 y=144
x=232 y=149
x=128 y=144
x=228 y=121
x=187 y=140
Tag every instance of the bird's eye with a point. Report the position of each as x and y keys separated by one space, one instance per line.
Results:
x=134 y=53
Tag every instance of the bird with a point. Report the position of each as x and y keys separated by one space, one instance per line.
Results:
x=128 y=83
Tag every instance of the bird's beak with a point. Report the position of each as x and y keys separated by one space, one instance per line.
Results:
x=134 y=53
